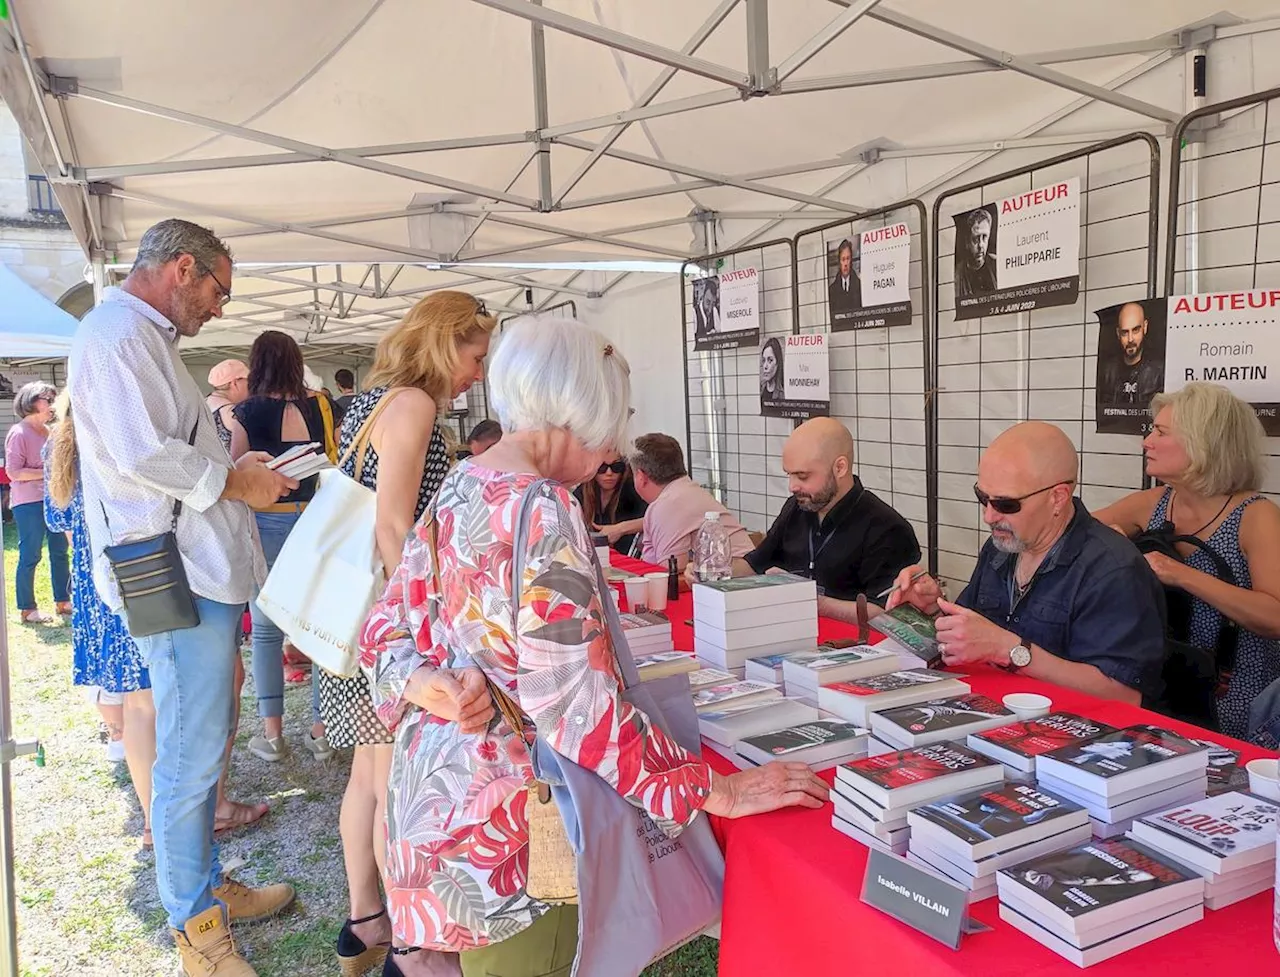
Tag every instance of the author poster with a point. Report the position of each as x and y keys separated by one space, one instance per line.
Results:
x=795 y=377
x=1019 y=253
x=1131 y=365
x=867 y=276
x=726 y=310
x=1231 y=338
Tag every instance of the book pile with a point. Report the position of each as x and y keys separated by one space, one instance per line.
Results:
x=1226 y=772
x=1097 y=900
x=747 y=617
x=911 y=634
x=663 y=664
x=937 y=720
x=706 y=675
x=1125 y=774
x=804 y=672
x=1228 y=839
x=856 y=700
x=971 y=837
x=648 y=633
x=1018 y=744
x=872 y=796
x=731 y=712
x=301 y=461
x=822 y=743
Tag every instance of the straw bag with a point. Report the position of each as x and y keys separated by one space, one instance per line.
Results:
x=329 y=572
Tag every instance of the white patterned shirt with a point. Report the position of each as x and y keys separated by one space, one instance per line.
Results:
x=135 y=404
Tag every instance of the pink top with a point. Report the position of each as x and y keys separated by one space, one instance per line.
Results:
x=671 y=523
x=22 y=452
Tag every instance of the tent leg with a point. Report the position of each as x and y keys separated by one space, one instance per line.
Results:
x=99 y=267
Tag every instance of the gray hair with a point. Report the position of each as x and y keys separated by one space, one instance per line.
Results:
x=24 y=404
x=165 y=241
x=1221 y=435
x=980 y=216
x=552 y=372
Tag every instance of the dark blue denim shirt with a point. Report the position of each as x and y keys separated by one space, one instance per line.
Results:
x=1094 y=600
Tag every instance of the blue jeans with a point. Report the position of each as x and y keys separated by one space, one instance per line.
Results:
x=268 y=640
x=32 y=533
x=193 y=682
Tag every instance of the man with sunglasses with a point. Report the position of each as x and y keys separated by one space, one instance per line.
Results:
x=1056 y=594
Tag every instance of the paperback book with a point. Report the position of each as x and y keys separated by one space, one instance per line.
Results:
x=856 y=700
x=1017 y=745
x=663 y=664
x=1226 y=772
x=912 y=630
x=738 y=593
x=1125 y=759
x=820 y=744
x=919 y=774
x=736 y=720
x=938 y=719
x=987 y=822
x=808 y=670
x=1218 y=835
x=706 y=675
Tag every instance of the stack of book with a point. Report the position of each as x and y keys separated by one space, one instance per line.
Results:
x=911 y=634
x=971 y=837
x=822 y=743
x=1228 y=839
x=804 y=672
x=647 y=633
x=1226 y=772
x=937 y=720
x=872 y=796
x=1097 y=900
x=662 y=664
x=1125 y=774
x=729 y=713
x=1018 y=744
x=747 y=617
x=706 y=675
x=855 y=701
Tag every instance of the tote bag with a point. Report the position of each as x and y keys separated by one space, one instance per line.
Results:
x=329 y=572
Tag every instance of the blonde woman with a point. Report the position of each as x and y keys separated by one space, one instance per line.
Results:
x=1206 y=446
x=434 y=354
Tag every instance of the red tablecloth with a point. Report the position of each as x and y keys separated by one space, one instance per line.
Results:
x=793 y=888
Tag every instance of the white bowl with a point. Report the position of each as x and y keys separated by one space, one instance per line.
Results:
x=1028 y=705
x=1264 y=778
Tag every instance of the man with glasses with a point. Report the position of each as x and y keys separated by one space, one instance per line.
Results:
x=1056 y=595
x=151 y=463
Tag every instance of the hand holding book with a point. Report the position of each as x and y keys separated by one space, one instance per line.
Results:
x=765 y=788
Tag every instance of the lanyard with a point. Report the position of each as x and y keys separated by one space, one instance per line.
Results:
x=814 y=553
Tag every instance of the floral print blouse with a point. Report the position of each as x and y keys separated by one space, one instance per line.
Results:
x=457 y=855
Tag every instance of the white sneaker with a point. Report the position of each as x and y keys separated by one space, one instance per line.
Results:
x=319 y=746
x=271 y=750
x=115 y=751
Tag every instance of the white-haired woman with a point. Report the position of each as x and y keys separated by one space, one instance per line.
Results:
x=1206 y=446
x=456 y=866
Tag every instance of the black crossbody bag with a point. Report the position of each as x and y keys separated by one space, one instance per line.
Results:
x=152 y=580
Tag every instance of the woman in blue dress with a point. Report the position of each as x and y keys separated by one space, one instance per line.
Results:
x=104 y=654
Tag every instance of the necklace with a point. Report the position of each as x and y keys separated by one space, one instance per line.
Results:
x=1226 y=502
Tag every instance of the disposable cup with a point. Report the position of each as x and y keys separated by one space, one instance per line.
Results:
x=1264 y=778
x=1028 y=705
x=637 y=593
x=656 y=591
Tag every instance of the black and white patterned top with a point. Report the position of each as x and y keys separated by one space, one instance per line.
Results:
x=433 y=471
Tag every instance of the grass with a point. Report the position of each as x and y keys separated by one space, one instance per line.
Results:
x=85 y=888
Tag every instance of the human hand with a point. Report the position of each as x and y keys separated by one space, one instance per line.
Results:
x=922 y=593
x=965 y=637
x=766 y=788
x=1168 y=570
x=253 y=483
x=455 y=695
x=612 y=533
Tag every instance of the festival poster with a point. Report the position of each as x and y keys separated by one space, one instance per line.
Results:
x=868 y=279
x=726 y=310
x=795 y=377
x=1231 y=338
x=1019 y=253
x=1132 y=349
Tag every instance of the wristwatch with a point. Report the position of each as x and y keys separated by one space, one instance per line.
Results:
x=1019 y=657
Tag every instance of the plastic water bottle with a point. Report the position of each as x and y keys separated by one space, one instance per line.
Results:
x=712 y=557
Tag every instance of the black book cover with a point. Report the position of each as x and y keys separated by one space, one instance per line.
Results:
x=1097 y=875
x=802 y=737
x=1124 y=750
x=941 y=714
x=995 y=812
x=1226 y=772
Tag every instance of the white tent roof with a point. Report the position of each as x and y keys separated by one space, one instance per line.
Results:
x=555 y=131
x=30 y=325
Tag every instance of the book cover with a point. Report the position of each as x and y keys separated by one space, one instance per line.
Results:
x=903 y=768
x=715 y=695
x=661 y=657
x=825 y=659
x=1224 y=825
x=1099 y=874
x=1226 y=772
x=876 y=684
x=1126 y=750
x=644 y=621
x=787 y=741
x=763 y=581
x=911 y=627
x=1040 y=736
x=996 y=812
x=709 y=676
x=940 y=715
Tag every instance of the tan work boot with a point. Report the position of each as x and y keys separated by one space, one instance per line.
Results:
x=247 y=905
x=206 y=948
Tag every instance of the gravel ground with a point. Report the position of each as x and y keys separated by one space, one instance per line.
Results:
x=86 y=889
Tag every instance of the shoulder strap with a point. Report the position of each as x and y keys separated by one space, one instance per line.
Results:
x=326 y=418
x=363 y=435
x=177 y=503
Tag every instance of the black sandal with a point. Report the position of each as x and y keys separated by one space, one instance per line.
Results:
x=354 y=957
x=392 y=969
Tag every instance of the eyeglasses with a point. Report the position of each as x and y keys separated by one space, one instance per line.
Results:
x=617 y=467
x=225 y=292
x=1007 y=506
x=481 y=308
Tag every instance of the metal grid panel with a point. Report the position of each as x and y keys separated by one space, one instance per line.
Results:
x=878 y=387
x=733 y=451
x=1040 y=365
x=1223 y=226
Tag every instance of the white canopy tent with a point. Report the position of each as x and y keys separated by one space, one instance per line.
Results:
x=31 y=325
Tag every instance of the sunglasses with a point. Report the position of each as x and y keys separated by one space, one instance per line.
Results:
x=481 y=308
x=1007 y=506
x=617 y=467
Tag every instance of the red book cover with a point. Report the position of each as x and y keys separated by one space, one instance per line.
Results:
x=1040 y=736
x=907 y=767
